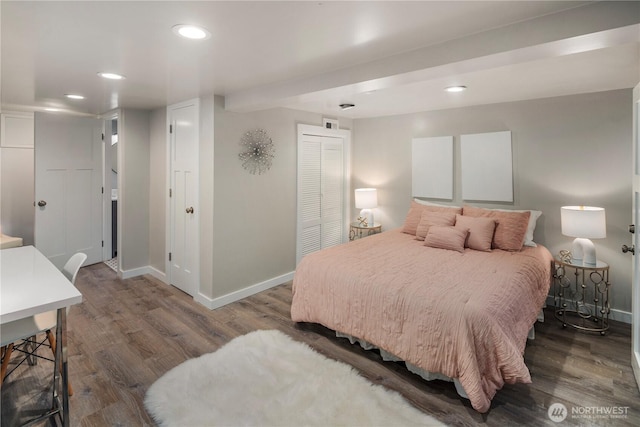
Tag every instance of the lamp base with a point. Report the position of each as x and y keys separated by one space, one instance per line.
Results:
x=583 y=250
x=368 y=215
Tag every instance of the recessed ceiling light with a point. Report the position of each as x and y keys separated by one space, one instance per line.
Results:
x=51 y=109
x=111 y=76
x=191 y=32
x=456 y=88
x=73 y=96
x=346 y=106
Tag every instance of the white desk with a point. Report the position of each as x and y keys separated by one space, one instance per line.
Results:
x=31 y=284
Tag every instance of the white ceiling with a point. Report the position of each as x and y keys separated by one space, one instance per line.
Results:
x=387 y=57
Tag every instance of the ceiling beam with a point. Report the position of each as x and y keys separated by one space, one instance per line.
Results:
x=594 y=26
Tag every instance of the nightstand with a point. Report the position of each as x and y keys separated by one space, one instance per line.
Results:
x=582 y=303
x=358 y=231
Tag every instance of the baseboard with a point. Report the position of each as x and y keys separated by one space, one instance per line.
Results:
x=128 y=274
x=158 y=274
x=614 y=314
x=213 y=303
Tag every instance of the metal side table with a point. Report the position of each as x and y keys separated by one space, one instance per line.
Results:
x=582 y=303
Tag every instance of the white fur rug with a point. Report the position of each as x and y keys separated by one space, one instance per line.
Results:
x=265 y=378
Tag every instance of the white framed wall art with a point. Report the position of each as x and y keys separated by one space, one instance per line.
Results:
x=487 y=167
x=432 y=167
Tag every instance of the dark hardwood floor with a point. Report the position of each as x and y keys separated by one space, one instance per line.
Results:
x=128 y=333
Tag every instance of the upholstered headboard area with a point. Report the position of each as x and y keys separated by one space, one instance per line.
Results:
x=472 y=211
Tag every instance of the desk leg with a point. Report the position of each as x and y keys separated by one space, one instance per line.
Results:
x=61 y=362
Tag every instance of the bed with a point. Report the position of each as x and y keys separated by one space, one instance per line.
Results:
x=438 y=304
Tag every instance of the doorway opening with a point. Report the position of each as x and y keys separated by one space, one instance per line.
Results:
x=111 y=191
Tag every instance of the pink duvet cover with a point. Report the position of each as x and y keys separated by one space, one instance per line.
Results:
x=465 y=315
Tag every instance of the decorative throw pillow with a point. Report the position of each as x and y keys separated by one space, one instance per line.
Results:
x=415 y=214
x=531 y=227
x=480 y=231
x=511 y=226
x=446 y=237
x=429 y=219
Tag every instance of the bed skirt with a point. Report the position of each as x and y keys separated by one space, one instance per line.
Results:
x=426 y=375
x=388 y=357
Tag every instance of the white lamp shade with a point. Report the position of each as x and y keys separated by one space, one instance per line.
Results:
x=366 y=198
x=583 y=221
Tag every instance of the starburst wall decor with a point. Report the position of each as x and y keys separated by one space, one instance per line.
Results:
x=257 y=151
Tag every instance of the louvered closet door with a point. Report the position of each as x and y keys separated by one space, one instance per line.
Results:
x=320 y=194
x=331 y=196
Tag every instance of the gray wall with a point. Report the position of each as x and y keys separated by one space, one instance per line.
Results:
x=567 y=150
x=157 y=189
x=17 y=214
x=17 y=211
x=254 y=218
x=133 y=219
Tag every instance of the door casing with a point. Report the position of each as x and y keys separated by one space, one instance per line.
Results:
x=635 y=285
x=106 y=199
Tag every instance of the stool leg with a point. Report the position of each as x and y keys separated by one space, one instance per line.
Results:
x=52 y=343
x=6 y=355
x=30 y=347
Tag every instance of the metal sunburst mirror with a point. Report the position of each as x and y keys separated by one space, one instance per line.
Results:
x=257 y=151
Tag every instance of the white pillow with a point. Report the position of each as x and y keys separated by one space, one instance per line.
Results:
x=528 y=238
x=427 y=203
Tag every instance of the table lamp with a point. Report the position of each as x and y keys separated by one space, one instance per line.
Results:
x=367 y=199
x=583 y=223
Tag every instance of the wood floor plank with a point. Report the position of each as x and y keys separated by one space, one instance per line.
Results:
x=128 y=333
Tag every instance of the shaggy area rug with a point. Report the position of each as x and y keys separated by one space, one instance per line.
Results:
x=265 y=378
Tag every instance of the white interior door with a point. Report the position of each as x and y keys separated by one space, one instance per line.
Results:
x=68 y=187
x=635 y=291
x=184 y=209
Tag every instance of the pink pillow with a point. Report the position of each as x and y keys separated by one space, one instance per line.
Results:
x=480 y=231
x=415 y=214
x=429 y=219
x=511 y=227
x=446 y=237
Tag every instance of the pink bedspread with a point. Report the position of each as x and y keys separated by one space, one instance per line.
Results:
x=465 y=315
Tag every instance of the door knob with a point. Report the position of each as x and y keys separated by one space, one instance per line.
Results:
x=42 y=203
x=631 y=249
x=632 y=228
x=190 y=209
